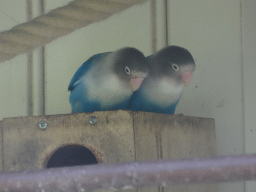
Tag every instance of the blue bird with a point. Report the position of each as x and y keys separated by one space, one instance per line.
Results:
x=106 y=81
x=170 y=71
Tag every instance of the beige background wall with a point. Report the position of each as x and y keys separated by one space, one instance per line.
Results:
x=220 y=34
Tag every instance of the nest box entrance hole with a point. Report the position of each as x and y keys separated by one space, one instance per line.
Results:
x=71 y=155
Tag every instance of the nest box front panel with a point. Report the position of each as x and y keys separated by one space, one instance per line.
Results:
x=29 y=142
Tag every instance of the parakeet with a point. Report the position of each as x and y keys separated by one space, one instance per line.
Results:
x=170 y=71
x=106 y=81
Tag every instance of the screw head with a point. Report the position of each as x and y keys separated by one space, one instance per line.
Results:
x=42 y=124
x=93 y=120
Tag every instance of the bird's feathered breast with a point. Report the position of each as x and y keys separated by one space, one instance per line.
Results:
x=162 y=91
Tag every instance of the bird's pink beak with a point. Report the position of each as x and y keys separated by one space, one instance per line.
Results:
x=135 y=83
x=187 y=77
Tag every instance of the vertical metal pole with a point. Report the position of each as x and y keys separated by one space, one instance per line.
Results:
x=153 y=26
x=29 y=67
x=166 y=9
x=41 y=82
x=35 y=68
x=42 y=5
x=242 y=78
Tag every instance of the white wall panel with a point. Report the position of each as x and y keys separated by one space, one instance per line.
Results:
x=249 y=79
x=249 y=69
x=210 y=30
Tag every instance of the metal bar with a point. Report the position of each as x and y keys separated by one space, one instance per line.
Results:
x=166 y=12
x=153 y=26
x=43 y=79
x=30 y=98
x=132 y=175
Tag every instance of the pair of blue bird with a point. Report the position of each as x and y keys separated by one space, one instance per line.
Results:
x=126 y=79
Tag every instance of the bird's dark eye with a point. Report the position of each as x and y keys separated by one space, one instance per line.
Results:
x=175 y=67
x=127 y=70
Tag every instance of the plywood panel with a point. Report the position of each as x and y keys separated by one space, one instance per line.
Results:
x=160 y=136
x=26 y=146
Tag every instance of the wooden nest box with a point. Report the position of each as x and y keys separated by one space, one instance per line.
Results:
x=109 y=136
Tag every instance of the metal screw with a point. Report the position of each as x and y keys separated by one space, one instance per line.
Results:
x=42 y=124
x=93 y=120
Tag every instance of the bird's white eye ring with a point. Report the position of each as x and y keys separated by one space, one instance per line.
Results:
x=175 y=67
x=127 y=70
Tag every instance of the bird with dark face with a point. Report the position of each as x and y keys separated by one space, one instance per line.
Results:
x=106 y=81
x=170 y=71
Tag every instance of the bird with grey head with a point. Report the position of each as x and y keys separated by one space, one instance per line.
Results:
x=106 y=81
x=170 y=71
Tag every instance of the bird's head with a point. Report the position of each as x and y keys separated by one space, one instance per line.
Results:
x=131 y=66
x=175 y=63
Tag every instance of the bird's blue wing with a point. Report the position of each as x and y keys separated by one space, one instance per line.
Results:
x=79 y=101
x=87 y=65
